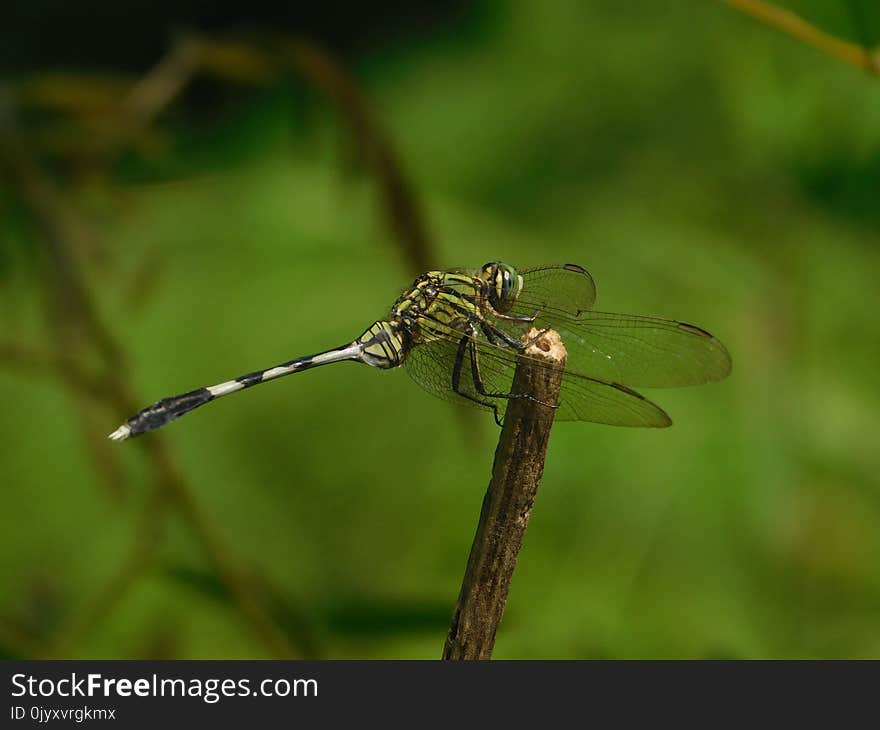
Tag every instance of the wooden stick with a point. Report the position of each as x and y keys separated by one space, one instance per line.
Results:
x=507 y=506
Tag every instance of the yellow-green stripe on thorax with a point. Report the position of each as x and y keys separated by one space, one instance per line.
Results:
x=444 y=299
x=439 y=304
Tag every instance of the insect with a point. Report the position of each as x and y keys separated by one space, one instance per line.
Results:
x=460 y=333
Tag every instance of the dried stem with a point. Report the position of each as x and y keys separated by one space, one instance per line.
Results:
x=42 y=362
x=72 y=312
x=80 y=333
x=793 y=25
x=262 y=63
x=507 y=506
x=399 y=199
x=143 y=549
x=154 y=91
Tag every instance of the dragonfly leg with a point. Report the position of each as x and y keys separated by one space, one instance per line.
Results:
x=480 y=387
x=493 y=333
x=456 y=379
x=490 y=335
x=501 y=334
x=511 y=318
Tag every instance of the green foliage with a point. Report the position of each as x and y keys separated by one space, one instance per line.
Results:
x=703 y=169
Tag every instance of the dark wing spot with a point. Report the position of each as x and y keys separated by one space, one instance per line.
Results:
x=693 y=329
x=667 y=420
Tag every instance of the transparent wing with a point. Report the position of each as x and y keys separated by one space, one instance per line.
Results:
x=566 y=288
x=644 y=352
x=582 y=398
x=431 y=365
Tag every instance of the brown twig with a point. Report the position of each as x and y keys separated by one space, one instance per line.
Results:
x=862 y=27
x=42 y=362
x=190 y=55
x=150 y=521
x=251 y=63
x=507 y=506
x=72 y=313
x=793 y=25
x=400 y=202
x=146 y=538
x=18 y=640
x=80 y=333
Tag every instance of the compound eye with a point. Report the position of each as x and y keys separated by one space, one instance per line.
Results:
x=505 y=288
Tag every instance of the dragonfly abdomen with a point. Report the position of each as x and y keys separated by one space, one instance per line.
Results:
x=168 y=409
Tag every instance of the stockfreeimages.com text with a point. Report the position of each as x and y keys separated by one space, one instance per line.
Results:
x=209 y=690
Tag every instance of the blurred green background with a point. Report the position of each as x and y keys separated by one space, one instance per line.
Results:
x=702 y=166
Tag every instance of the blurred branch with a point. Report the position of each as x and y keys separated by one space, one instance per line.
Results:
x=124 y=119
x=507 y=506
x=247 y=63
x=862 y=27
x=41 y=362
x=144 y=281
x=285 y=612
x=252 y=63
x=793 y=25
x=78 y=94
x=16 y=639
x=143 y=547
x=73 y=312
x=158 y=88
x=400 y=201
x=87 y=391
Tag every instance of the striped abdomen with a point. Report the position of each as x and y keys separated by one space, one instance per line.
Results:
x=383 y=345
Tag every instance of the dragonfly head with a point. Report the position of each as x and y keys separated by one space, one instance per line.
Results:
x=503 y=285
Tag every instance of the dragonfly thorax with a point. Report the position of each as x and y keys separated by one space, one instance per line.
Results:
x=418 y=298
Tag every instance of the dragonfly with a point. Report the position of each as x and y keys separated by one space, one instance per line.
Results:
x=460 y=334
